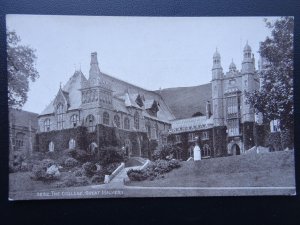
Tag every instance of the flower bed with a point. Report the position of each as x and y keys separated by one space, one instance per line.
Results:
x=156 y=169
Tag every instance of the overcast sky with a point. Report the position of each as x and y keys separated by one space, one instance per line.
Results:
x=151 y=52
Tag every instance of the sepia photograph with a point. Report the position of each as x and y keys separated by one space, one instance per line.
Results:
x=132 y=107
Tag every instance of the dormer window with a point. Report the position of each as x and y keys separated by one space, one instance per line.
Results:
x=60 y=116
x=139 y=101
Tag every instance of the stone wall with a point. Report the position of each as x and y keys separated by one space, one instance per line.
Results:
x=102 y=136
x=248 y=136
x=219 y=140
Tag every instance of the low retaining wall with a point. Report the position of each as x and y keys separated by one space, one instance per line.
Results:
x=145 y=165
x=108 y=178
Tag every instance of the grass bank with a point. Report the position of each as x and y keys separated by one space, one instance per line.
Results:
x=274 y=169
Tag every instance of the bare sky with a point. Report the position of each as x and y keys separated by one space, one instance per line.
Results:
x=150 y=52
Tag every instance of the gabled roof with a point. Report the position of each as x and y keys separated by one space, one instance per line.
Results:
x=119 y=105
x=71 y=92
x=23 y=118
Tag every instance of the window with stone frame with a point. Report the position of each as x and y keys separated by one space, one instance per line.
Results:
x=47 y=125
x=154 y=133
x=19 y=143
x=60 y=116
x=233 y=127
x=117 y=121
x=191 y=137
x=206 y=151
x=90 y=123
x=204 y=135
x=148 y=128
x=232 y=107
x=72 y=144
x=74 y=120
x=126 y=123
x=275 y=126
x=106 y=118
x=51 y=147
x=136 y=121
x=177 y=138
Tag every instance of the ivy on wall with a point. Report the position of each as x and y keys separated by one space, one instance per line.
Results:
x=103 y=136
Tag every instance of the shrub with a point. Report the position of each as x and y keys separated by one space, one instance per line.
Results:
x=110 y=155
x=39 y=171
x=136 y=175
x=78 y=172
x=154 y=170
x=167 y=152
x=77 y=154
x=68 y=181
x=97 y=179
x=71 y=162
x=89 y=169
x=46 y=163
x=110 y=168
x=174 y=164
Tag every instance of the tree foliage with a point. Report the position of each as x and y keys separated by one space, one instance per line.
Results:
x=275 y=97
x=20 y=69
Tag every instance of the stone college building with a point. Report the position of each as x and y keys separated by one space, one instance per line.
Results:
x=101 y=110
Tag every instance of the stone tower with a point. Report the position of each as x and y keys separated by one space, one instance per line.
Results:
x=248 y=84
x=219 y=130
x=96 y=93
x=217 y=90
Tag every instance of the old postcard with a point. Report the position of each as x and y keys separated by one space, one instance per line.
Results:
x=117 y=107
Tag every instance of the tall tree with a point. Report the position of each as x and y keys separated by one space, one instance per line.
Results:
x=20 y=68
x=275 y=97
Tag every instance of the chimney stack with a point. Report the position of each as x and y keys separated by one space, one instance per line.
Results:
x=208 y=110
x=94 y=68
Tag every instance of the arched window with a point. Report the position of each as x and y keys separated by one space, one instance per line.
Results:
x=117 y=121
x=51 y=147
x=128 y=147
x=20 y=140
x=136 y=121
x=126 y=123
x=206 y=151
x=90 y=123
x=148 y=128
x=106 y=118
x=72 y=144
x=74 y=120
x=60 y=116
x=93 y=148
x=47 y=125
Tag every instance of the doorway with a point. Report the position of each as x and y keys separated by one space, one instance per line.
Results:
x=235 y=149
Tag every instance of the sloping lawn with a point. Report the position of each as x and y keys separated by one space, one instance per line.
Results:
x=274 y=169
x=21 y=181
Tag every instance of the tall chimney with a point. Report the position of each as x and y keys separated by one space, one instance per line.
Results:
x=94 y=68
x=208 y=110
